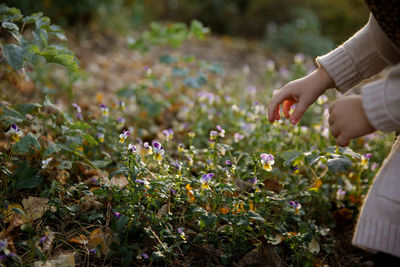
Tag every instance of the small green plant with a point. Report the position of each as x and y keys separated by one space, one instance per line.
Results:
x=173 y=34
x=24 y=49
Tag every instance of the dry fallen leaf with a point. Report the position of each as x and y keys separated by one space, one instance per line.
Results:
x=316 y=185
x=98 y=237
x=62 y=260
x=313 y=247
x=120 y=181
x=12 y=231
x=81 y=240
x=277 y=239
x=90 y=203
x=35 y=207
x=163 y=210
x=9 y=212
x=47 y=244
x=63 y=177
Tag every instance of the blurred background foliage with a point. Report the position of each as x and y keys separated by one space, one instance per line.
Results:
x=309 y=26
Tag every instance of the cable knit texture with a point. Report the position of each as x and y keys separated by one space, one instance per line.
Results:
x=378 y=227
x=354 y=61
x=382 y=106
x=365 y=54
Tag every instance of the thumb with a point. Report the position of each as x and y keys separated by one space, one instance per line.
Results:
x=301 y=107
x=342 y=140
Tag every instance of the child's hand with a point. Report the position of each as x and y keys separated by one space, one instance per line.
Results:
x=303 y=91
x=347 y=120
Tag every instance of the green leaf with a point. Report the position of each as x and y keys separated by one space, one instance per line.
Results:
x=47 y=103
x=95 y=216
x=126 y=92
x=216 y=68
x=339 y=164
x=17 y=210
x=180 y=72
x=10 y=116
x=53 y=148
x=100 y=163
x=61 y=55
x=157 y=255
x=57 y=31
x=209 y=219
x=255 y=216
x=29 y=182
x=10 y=26
x=196 y=82
x=14 y=56
x=10 y=14
x=42 y=23
x=68 y=61
x=127 y=259
x=23 y=146
x=80 y=125
x=344 y=151
x=26 y=176
x=119 y=171
x=168 y=59
x=290 y=157
x=65 y=164
x=27 y=108
x=32 y=18
x=31 y=51
x=41 y=37
x=198 y=30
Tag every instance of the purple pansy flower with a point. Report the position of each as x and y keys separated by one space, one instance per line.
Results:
x=267 y=160
x=104 y=110
x=296 y=205
x=123 y=136
x=158 y=150
x=168 y=133
x=15 y=133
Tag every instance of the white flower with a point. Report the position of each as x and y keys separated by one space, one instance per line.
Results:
x=46 y=162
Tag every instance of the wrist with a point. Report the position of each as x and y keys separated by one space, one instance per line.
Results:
x=324 y=79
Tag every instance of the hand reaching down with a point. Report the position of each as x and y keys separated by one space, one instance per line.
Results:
x=303 y=91
x=347 y=120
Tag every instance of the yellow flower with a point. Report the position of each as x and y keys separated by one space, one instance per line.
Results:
x=237 y=208
x=158 y=157
x=224 y=210
x=205 y=186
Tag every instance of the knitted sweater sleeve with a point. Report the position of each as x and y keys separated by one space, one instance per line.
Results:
x=381 y=101
x=366 y=53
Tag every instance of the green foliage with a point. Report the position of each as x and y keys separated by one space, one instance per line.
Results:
x=32 y=50
x=303 y=34
x=173 y=35
x=190 y=174
x=27 y=142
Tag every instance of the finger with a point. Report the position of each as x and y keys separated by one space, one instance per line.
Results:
x=342 y=140
x=277 y=115
x=331 y=120
x=331 y=107
x=334 y=130
x=298 y=112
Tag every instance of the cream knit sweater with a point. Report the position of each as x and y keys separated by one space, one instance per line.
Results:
x=367 y=53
